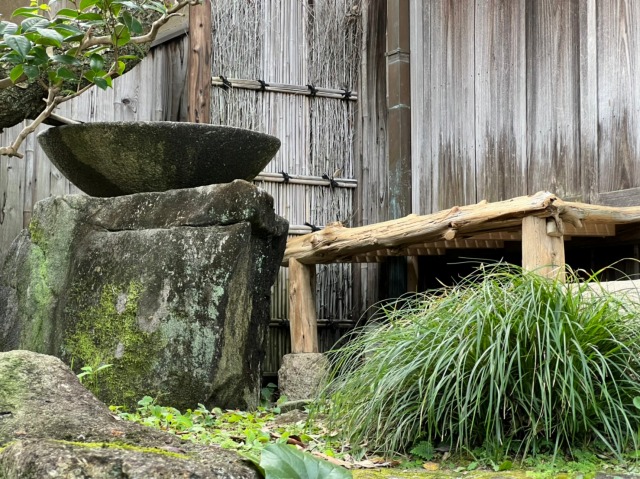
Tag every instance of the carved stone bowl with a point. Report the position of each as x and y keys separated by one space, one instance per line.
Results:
x=120 y=158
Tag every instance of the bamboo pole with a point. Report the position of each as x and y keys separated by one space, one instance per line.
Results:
x=307 y=90
x=302 y=307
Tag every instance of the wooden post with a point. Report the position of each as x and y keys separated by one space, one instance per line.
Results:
x=302 y=307
x=199 y=65
x=542 y=247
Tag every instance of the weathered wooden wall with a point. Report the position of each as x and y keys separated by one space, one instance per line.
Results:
x=515 y=96
x=153 y=90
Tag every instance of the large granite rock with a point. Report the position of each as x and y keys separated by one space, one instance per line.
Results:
x=170 y=288
x=51 y=426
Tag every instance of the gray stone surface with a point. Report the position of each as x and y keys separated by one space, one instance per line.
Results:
x=120 y=158
x=301 y=375
x=171 y=288
x=51 y=426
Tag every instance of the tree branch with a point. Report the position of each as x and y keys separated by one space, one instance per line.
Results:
x=52 y=103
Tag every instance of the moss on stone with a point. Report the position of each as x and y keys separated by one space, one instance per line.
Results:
x=108 y=333
x=125 y=447
x=37 y=233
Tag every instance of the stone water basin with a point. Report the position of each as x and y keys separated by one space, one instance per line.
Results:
x=120 y=158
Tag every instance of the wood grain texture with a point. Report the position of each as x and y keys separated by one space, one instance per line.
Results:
x=500 y=99
x=451 y=100
x=619 y=95
x=542 y=252
x=587 y=21
x=199 y=70
x=302 y=307
x=553 y=87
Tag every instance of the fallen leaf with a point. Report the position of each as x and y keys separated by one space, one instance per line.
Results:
x=430 y=466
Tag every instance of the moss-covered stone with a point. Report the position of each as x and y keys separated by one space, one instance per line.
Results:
x=125 y=447
x=108 y=334
x=171 y=289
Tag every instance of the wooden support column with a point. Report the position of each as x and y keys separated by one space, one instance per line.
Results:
x=542 y=247
x=302 y=307
x=398 y=129
x=199 y=65
x=412 y=274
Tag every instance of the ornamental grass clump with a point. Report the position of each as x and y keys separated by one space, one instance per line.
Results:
x=505 y=358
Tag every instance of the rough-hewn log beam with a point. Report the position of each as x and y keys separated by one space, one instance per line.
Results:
x=335 y=242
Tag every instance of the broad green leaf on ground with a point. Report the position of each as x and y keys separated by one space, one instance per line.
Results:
x=280 y=461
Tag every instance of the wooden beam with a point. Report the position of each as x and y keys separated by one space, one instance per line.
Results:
x=542 y=247
x=302 y=307
x=199 y=70
x=335 y=242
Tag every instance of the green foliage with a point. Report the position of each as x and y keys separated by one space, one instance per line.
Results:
x=89 y=375
x=505 y=359
x=247 y=432
x=424 y=450
x=280 y=461
x=59 y=47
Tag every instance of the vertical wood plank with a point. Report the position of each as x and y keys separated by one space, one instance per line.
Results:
x=500 y=99
x=199 y=75
x=541 y=252
x=302 y=307
x=553 y=93
x=452 y=103
x=588 y=100
x=618 y=94
x=420 y=121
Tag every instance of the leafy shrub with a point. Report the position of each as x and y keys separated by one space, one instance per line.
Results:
x=506 y=357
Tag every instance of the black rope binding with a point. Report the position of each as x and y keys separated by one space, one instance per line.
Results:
x=314 y=228
x=263 y=85
x=313 y=91
x=226 y=84
x=332 y=183
x=285 y=176
x=346 y=94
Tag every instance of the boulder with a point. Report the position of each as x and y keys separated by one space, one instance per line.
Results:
x=51 y=426
x=172 y=289
x=301 y=375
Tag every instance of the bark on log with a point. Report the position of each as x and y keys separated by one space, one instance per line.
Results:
x=336 y=243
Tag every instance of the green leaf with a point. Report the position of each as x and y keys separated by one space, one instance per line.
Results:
x=34 y=24
x=19 y=44
x=281 y=461
x=85 y=4
x=49 y=37
x=67 y=13
x=65 y=73
x=16 y=72
x=131 y=23
x=68 y=31
x=65 y=59
x=91 y=17
x=156 y=6
x=121 y=68
x=505 y=465
x=96 y=62
x=636 y=401
x=40 y=56
x=8 y=28
x=121 y=36
x=25 y=12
